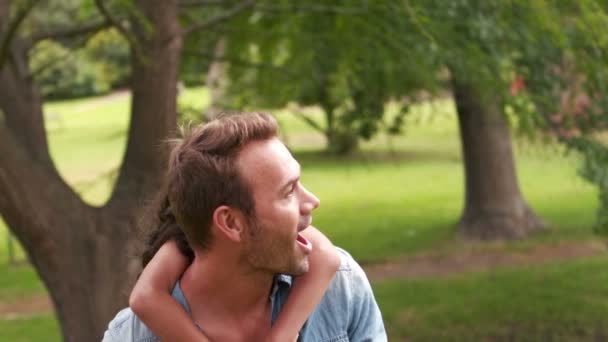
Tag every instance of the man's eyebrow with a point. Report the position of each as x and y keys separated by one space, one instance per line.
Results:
x=292 y=180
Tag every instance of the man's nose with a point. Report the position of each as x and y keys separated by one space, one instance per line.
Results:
x=309 y=202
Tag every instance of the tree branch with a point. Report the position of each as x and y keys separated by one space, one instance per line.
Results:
x=278 y=8
x=12 y=31
x=197 y=3
x=234 y=11
x=153 y=106
x=114 y=22
x=20 y=100
x=50 y=63
x=237 y=61
x=310 y=121
x=312 y=8
x=412 y=14
x=71 y=32
x=23 y=182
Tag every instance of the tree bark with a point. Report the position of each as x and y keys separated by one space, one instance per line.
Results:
x=58 y=231
x=23 y=98
x=82 y=253
x=494 y=207
x=216 y=81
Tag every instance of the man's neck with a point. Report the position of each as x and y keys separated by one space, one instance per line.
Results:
x=221 y=293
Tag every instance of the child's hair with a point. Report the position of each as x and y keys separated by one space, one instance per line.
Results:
x=165 y=228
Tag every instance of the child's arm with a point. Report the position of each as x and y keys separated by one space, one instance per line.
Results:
x=151 y=297
x=309 y=289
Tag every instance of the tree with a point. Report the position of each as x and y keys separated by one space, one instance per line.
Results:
x=73 y=246
x=79 y=250
x=351 y=58
x=332 y=55
x=494 y=206
x=565 y=99
x=478 y=43
x=82 y=252
x=350 y=64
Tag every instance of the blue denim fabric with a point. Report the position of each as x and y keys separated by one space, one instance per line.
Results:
x=347 y=312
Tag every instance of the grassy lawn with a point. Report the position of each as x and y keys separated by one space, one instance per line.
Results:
x=32 y=329
x=556 y=302
x=18 y=282
x=398 y=196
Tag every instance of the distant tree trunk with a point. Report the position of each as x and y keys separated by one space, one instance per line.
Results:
x=494 y=207
x=216 y=80
x=329 y=120
x=82 y=252
x=340 y=140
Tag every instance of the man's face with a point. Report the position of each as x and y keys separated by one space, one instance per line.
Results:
x=282 y=209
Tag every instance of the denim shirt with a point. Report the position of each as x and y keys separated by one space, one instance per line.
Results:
x=347 y=312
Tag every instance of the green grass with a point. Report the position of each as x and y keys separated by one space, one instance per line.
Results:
x=398 y=196
x=18 y=282
x=383 y=209
x=30 y=329
x=555 y=302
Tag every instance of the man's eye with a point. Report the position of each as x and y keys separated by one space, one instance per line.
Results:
x=292 y=190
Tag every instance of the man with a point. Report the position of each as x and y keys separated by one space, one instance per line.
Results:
x=235 y=191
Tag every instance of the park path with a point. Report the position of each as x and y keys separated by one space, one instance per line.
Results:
x=477 y=258
x=480 y=259
x=26 y=307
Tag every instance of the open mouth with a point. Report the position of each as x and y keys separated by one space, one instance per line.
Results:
x=304 y=243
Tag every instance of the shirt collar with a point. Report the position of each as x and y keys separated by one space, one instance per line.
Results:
x=280 y=280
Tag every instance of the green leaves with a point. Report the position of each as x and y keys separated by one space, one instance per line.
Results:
x=594 y=170
x=344 y=57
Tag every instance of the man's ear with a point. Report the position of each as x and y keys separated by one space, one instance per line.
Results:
x=230 y=222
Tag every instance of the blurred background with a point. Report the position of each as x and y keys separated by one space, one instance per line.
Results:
x=458 y=149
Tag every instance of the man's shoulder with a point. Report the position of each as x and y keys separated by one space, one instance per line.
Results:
x=349 y=269
x=127 y=327
x=340 y=290
x=347 y=285
x=348 y=299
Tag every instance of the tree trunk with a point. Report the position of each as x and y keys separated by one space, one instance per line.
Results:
x=340 y=140
x=65 y=239
x=216 y=81
x=494 y=207
x=82 y=253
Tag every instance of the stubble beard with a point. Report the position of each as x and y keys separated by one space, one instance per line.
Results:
x=268 y=251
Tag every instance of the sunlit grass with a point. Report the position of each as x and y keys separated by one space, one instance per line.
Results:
x=35 y=328
x=555 y=302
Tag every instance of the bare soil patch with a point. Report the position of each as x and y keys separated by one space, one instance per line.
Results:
x=27 y=306
x=479 y=259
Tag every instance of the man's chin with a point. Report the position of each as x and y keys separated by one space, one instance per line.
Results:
x=300 y=269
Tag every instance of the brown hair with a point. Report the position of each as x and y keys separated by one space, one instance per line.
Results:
x=159 y=216
x=202 y=176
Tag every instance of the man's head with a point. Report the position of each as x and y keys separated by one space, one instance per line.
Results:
x=283 y=208
x=233 y=177
x=203 y=173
